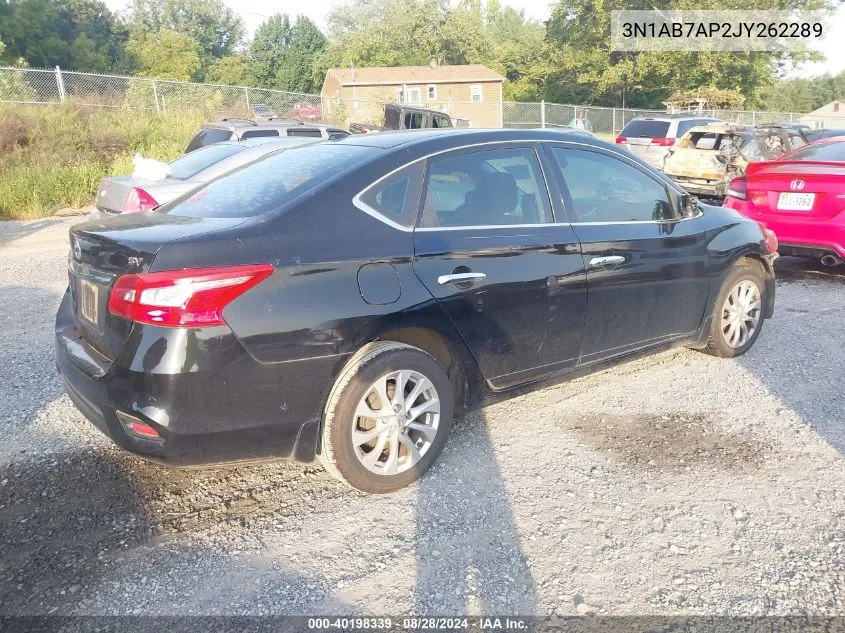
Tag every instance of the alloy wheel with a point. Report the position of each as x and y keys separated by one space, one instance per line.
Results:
x=741 y=313
x=396 y=422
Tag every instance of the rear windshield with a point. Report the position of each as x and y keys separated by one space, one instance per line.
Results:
x=190 y=165
x=643 y=128
x=207 y=136
x=823 y=151
x=270 y=182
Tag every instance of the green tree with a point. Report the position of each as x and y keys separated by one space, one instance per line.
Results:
x=267 y=50
x=296 y=69
x=74 y=34
x=216 y=29
x=167 y=55
x=230 y=70
x=583 y=69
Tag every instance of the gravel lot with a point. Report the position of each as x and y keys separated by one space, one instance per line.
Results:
x=680 y=484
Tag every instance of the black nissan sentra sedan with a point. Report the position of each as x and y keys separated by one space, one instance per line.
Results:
x=345 y=300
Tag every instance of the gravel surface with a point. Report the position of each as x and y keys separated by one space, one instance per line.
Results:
x=679 y=484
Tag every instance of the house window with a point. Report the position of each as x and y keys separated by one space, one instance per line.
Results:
x=836 y=107
x=475 y=94
x=412 y=95
x=432 y=93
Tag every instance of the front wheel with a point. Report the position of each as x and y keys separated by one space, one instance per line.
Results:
x=738 y=311
x=387 y=418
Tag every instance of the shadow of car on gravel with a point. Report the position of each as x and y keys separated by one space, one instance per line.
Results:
x=468 y=549
x=806 y=375
x=95 y=532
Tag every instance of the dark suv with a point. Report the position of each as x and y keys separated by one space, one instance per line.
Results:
x=240 y=129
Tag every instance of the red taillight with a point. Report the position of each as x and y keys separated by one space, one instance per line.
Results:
x=663 y=142
x=183 y=298
x=621 y=139
x=138 y=200
x=738 y=188
x=770 y=238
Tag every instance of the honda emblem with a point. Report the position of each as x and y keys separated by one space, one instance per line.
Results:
x=796 y=185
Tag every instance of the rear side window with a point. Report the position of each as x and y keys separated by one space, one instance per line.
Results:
x=190 y=165
x=207 y=136
x=267 y=184
x=686 y=126
x=823 y=151
x=259 y=133
x=396 y=198
x=309 y=132
x=645 y=128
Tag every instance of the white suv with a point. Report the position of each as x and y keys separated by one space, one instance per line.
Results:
x=651 y=137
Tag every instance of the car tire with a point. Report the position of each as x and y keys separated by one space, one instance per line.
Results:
x=379 y=447
x=738 y=313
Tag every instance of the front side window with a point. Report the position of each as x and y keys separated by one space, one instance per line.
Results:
x=489 y=187
x=607 y=189
x=269 y=183
x=397 y=197
x=440 y=121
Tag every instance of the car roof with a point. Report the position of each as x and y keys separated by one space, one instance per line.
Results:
x=458 y=136
x=281 y=123
x=673 y=117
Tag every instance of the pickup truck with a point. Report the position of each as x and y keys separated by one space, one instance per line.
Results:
x=404 y=117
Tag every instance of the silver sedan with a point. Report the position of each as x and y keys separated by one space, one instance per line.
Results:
x=129 y=194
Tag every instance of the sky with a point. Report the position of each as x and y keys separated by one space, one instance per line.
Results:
x=832 y=44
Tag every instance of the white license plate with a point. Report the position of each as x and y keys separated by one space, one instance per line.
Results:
x=796 y=201
x=89 y=301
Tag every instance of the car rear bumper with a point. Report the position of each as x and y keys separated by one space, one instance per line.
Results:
x=240 y=410
x=701 y=186
x=798 y=236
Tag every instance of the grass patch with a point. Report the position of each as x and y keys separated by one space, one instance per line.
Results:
x=53 y=157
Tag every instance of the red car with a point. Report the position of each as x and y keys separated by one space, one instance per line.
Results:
x=801 y=197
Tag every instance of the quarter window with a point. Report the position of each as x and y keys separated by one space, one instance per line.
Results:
x=489 y=187
x=397 y=196
x=607 y=189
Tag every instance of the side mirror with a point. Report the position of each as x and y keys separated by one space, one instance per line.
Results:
x=689 y=206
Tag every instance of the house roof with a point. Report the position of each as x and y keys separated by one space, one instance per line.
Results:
x=397 y=75
x=825 y=109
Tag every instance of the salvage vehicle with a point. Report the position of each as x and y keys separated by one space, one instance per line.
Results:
x=345 y=300
x=242 y=129
x=405 y=117
x=650 y=137
x=800 y=197
x=708 y=157
x=146 y=191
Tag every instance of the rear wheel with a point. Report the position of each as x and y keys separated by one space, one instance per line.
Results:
x=738 y=311
x=387 y=418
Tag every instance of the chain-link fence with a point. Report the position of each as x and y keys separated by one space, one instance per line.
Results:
x=34 y=86
x=610 y=121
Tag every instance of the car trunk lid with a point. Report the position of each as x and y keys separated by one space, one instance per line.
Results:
x=103 y=251
x=806 y=189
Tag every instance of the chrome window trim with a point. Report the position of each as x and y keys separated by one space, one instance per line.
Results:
x=363 y=206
